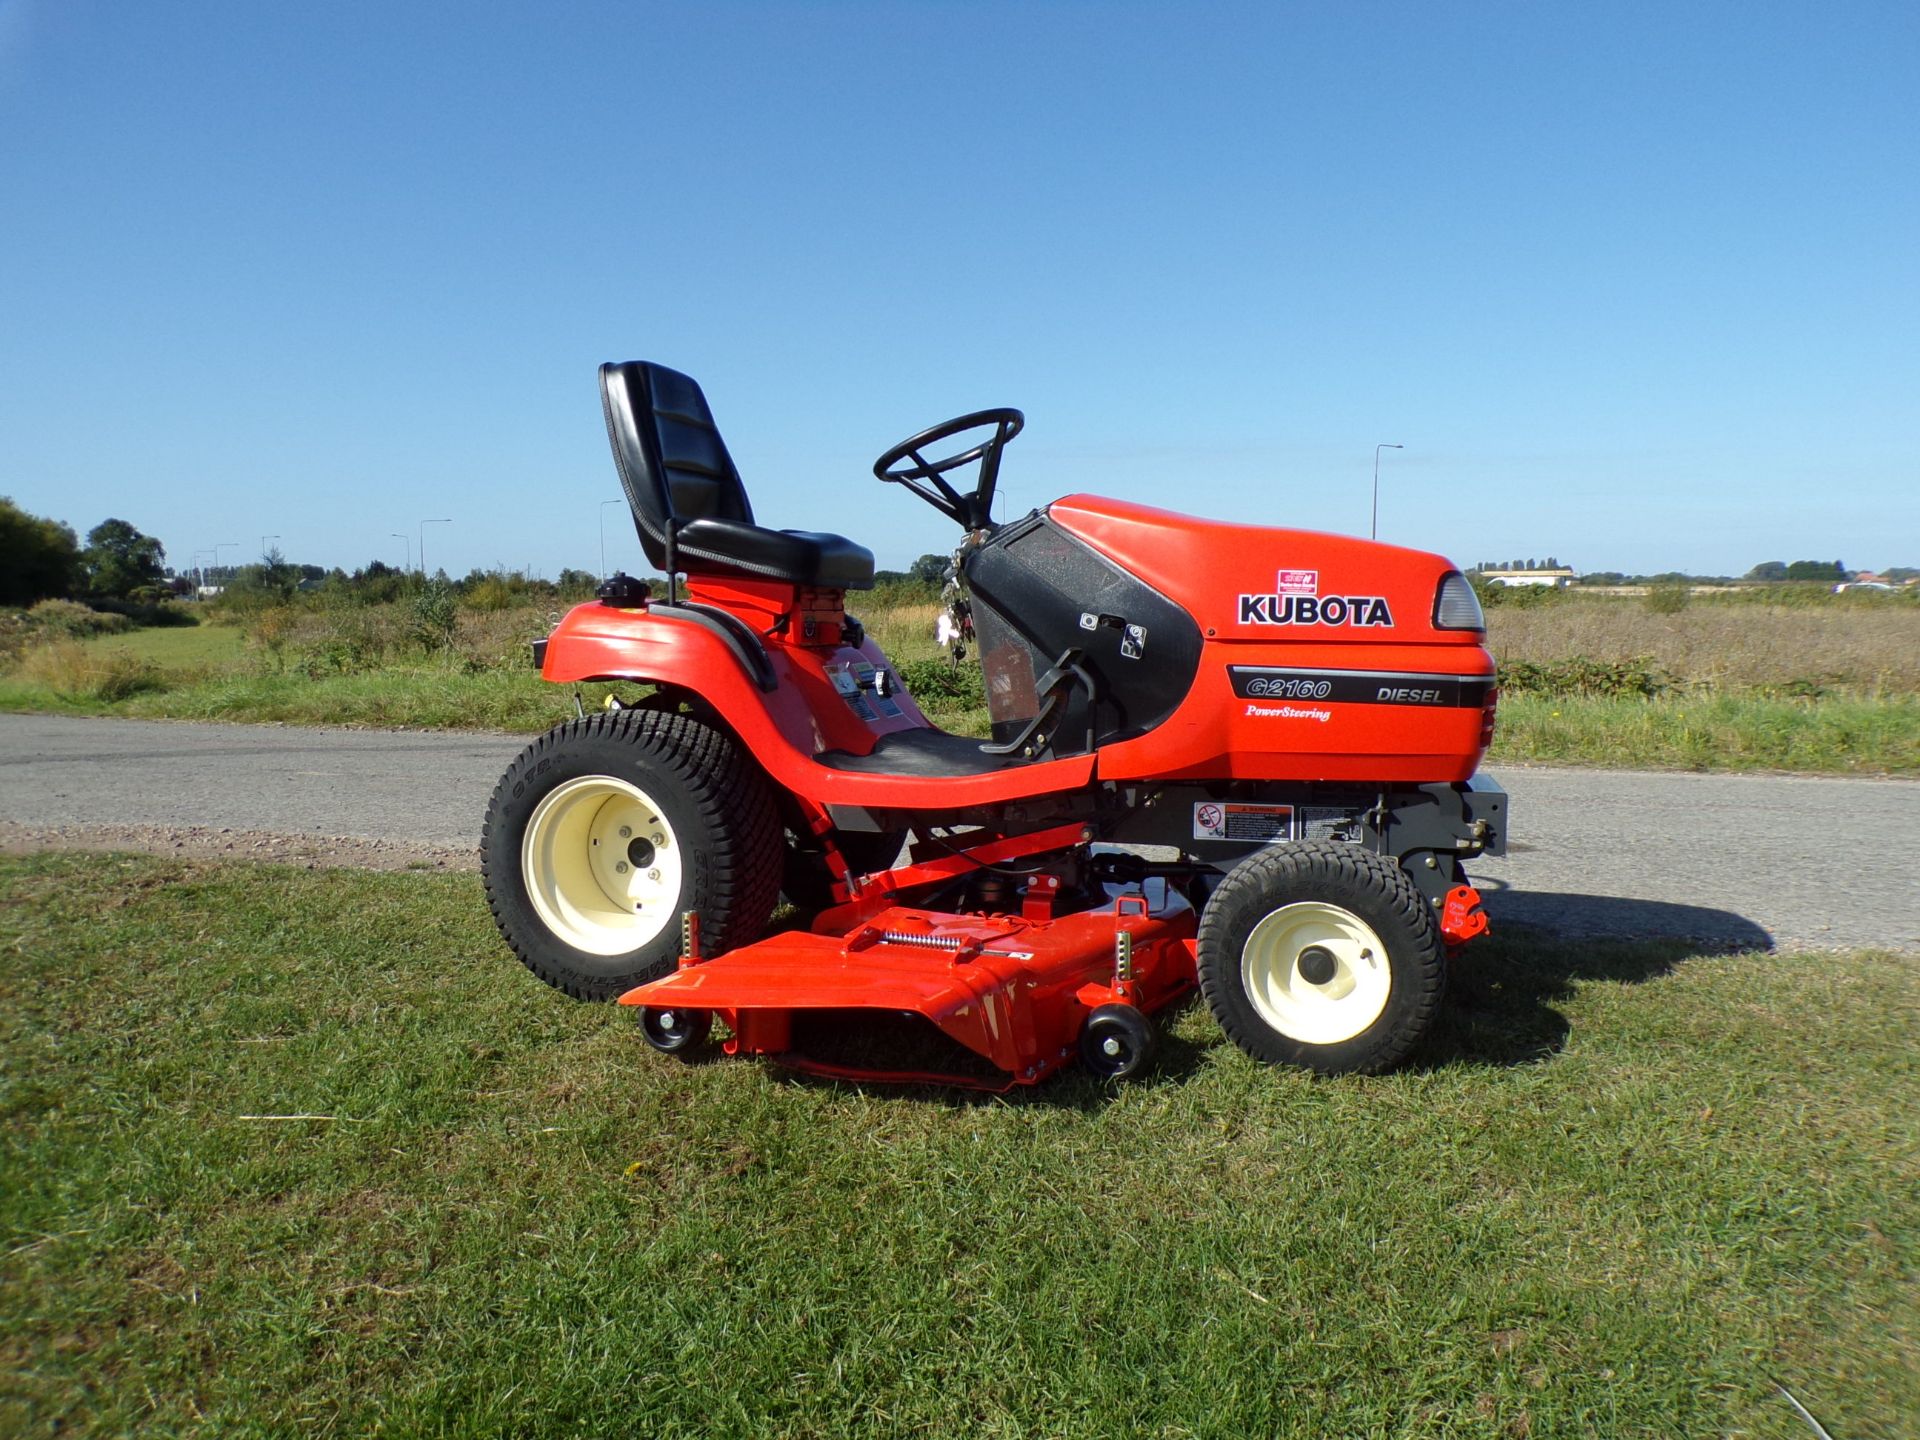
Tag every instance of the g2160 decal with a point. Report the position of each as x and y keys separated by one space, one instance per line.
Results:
x=1360 y=687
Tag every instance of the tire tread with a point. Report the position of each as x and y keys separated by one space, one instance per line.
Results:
x=732 y=799
x=1335 y=866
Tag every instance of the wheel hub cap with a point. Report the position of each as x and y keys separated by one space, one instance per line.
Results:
x=600 y=866
x=1316 y=972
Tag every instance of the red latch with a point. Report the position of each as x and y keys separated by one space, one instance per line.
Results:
x=1036 y=902
x=1461 y=918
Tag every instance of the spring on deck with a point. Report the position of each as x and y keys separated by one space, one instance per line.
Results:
x=918 y=941
x=913 y=939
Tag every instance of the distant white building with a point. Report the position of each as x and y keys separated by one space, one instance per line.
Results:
x=1553 y=579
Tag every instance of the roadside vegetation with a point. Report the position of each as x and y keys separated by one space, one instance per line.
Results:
x=1783 y=677
x=1625 y=1190
x=1776 y=671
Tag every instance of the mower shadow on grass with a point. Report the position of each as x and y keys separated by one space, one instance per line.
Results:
x=1501 y=996
x=1499 y=1009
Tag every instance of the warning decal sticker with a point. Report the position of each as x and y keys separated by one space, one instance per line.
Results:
x=1225 y=820
x=1326 y=823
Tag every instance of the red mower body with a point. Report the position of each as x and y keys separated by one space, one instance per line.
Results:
x=1295 y=718
x=1368 y=689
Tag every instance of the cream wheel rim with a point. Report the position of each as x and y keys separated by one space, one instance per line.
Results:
x=601 y=865
x=1316 y=973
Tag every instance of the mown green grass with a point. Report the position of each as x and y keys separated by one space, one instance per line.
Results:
x=1832 y=735
x=1625 y=1191
x=427 y=697
x=180 y=646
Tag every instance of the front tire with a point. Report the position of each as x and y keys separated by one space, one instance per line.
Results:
x=1321 y=955
x=605 y=830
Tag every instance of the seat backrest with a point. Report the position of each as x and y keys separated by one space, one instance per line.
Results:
x=673 y=464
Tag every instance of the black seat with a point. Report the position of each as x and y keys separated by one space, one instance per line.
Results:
x=678 y=476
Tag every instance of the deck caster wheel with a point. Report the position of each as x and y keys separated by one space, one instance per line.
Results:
x=676 y=1030
x=1321 y=955
x=1116 y=1042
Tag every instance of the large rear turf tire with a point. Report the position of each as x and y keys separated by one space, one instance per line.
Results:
x=1321 y=955
x=605 y=830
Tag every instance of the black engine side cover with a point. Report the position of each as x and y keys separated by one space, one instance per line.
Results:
x=1142 y=650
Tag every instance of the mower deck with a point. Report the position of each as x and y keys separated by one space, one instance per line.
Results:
x=1014 y=990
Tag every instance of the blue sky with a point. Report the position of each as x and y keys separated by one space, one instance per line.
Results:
x=1635 y=285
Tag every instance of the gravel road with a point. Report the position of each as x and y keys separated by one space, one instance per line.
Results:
x=1747 y=860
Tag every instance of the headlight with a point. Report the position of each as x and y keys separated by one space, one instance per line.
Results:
x=1456 y=607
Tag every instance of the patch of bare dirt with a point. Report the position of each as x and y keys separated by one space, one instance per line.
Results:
x=311 y=852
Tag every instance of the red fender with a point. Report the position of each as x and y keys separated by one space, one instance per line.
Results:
x=785 y=727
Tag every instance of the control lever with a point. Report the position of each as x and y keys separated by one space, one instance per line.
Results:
x=1054 y=687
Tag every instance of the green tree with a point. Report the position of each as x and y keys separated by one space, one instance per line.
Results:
x=930 y=568
x=435 y=613
x=1816 y=570
x=120 y=560
x=39 y=559
x=1768 y=570
x=271 y=579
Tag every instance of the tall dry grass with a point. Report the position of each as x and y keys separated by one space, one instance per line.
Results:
x=904 y=631
x=1868 y=650
x=77 y=672
x=322 y=640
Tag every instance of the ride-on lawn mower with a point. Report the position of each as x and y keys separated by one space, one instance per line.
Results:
x=1290 y=722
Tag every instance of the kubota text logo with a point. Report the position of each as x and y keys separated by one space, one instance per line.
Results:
x=1296 y=600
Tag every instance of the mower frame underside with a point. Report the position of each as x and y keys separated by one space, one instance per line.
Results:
x=1015 y=990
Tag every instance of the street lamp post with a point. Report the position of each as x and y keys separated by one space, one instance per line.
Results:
x=1373 y=530
x=422 y=552
x=200 y=571
x=603 y=533
x=406 y=549
x=263 y=546
x=223 y=545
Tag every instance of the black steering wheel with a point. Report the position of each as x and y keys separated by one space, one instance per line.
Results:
x=927 y=478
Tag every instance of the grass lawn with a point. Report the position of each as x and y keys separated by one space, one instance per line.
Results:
x=180 y=646
x=1625 y=1191
x=425 y=697
x=1834 y=735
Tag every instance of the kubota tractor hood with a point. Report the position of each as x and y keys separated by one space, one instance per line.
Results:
x=1249 y=582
